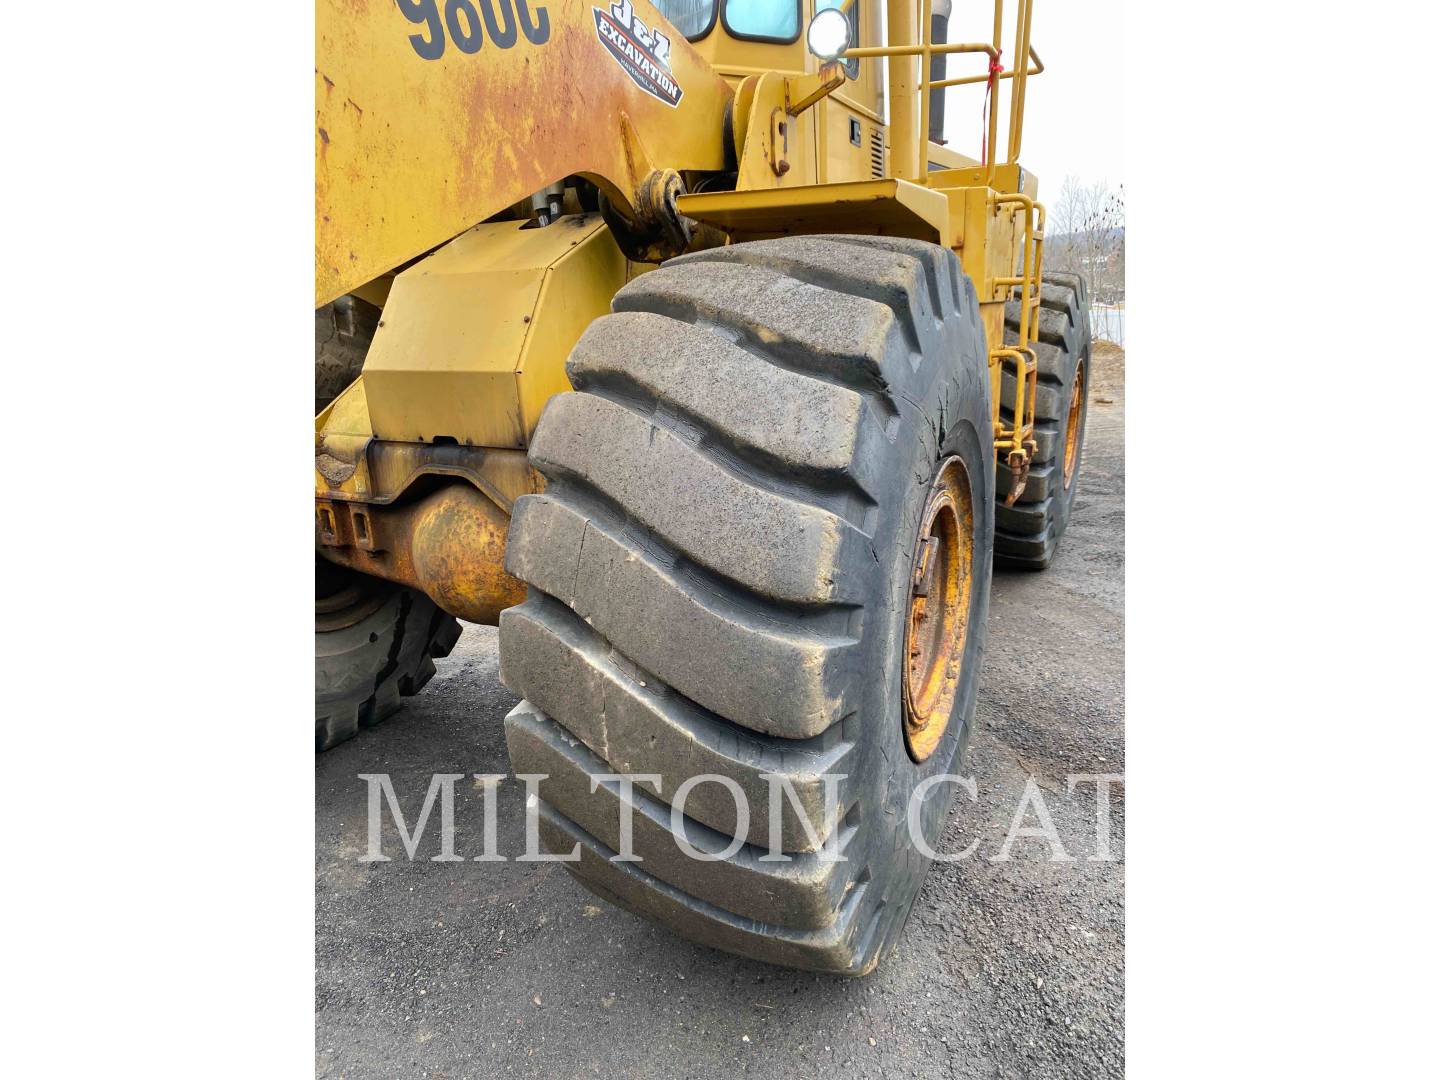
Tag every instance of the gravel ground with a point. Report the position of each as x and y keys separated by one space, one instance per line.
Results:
x=1008 y=967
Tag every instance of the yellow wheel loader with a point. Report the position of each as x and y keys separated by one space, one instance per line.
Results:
x=669 y=336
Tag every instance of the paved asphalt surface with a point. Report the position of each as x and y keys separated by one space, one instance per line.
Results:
x=1007 y=968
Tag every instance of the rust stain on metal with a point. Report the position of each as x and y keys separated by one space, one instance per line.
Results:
x=450 y=545
x=444 y=145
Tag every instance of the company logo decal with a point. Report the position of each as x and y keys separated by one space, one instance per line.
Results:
x=642 y=52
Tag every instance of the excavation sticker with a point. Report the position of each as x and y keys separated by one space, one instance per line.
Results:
x=642 y=52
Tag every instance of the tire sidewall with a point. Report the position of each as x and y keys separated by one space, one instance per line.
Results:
x=892 y=775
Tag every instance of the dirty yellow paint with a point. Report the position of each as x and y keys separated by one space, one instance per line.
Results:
x=410 y=152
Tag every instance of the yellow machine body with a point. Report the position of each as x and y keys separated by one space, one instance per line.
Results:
x=430 y=148
x=418 y=139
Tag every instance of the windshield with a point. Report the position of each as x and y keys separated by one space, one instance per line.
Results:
x=768 y=20
x=691 y=17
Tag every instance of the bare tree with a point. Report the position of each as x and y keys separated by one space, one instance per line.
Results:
x=1086 y=236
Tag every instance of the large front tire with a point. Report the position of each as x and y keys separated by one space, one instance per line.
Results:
x=721 y=584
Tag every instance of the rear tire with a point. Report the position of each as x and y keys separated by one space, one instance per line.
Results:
x=344 y=330
x=1028 y=533
x=375 y=643
x=720 y=574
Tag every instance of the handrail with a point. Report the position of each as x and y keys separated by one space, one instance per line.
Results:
x=925 y=48
x=870 y=51
x=1018 y=440
x=910 y=147
x=1017 y=90
x=969 y=80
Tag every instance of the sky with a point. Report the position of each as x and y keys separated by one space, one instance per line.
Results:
x=1072 y=112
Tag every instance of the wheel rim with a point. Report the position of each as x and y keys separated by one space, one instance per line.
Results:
x=1072 y=425
x=938 y=619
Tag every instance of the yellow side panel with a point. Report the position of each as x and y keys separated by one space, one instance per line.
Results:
x=473 y=339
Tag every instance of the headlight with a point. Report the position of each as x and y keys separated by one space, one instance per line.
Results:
x=829 y=34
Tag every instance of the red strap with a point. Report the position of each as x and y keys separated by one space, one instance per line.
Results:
x=996 y=67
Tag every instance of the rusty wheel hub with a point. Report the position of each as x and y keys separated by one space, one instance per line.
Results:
x=939 y=608
x=1072 y=425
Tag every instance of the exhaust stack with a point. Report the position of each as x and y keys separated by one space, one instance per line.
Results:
x=939 y=28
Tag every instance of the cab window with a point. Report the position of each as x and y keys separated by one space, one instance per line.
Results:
x=693 y=18
x=763 y=20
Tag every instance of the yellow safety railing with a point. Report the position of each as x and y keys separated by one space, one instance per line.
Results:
x=909 y=151
x=1017 y=441
x=910 y=141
